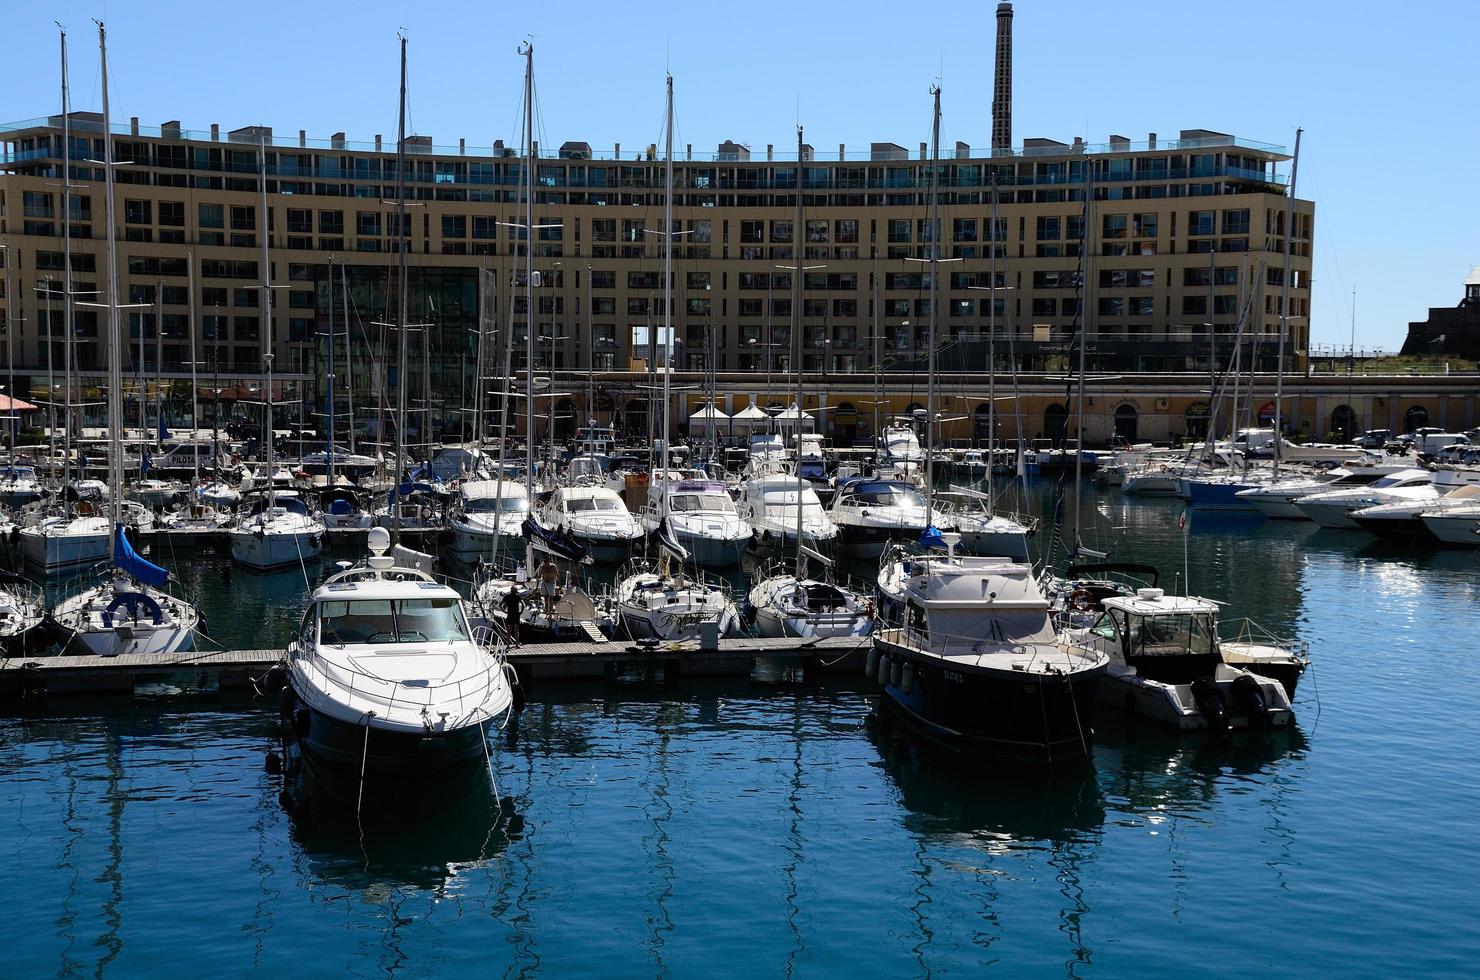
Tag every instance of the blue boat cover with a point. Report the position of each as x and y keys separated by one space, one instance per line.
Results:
x=127 y=560
x=561 y=544
x=931 y=540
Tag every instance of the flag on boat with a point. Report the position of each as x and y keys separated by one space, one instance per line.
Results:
x=125 y=559
x=164 y=432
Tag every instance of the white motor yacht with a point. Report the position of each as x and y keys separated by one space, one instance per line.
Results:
x=593 y=516
x=700 y=516
x=385 y=674
x=977 y=665
x=1165 y=664
x=1334 y=508
x=1455 y=525
x=486 y=512
x=870 y=513
x=276 y=532
x=1403 y=519
x=1277 y=500
x=769 y=505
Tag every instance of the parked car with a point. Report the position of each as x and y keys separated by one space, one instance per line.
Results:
x=1373 y=439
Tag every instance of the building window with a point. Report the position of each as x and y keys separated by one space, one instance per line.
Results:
x=367 y=223
x=243 y=218
x=331 y=222
x=1236 y=222
x=1145 y=225
x=137 y=213
x=172 y=213
x=454 y=226
x=1200 y=223
x=300 y=221
x=1048 y=229
x=485 y=227
x=1113 y=226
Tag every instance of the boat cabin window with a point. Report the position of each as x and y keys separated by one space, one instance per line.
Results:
x=578 y=504
x=508 y=504
x=919 y=621
x=391 y=621
x=681 y=502
x=876 y=495
x=1105 y=627
x=1172 y=635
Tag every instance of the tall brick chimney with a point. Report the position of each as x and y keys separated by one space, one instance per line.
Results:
x=1002 y=83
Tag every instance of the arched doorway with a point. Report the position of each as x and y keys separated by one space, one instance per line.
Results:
x=1125 y=422
x=981 y=425
x=1197 y=420
x=1415 y=418
x=1343 y=423
x=1055 y=423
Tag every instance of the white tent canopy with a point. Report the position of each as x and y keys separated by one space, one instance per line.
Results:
x=794 y=417
x=751 y=417
x=708 y=412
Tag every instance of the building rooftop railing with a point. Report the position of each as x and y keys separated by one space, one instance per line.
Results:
x=247 y=137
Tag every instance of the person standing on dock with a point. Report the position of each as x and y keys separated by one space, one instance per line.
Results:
x=513 y=604
x=549 y=579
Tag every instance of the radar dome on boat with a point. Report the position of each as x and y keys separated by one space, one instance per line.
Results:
x=1149 y=593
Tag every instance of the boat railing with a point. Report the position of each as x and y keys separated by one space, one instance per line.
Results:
x=471 y=693
x=1246 y=631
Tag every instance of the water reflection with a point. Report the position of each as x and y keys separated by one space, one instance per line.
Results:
x=958 y=801
x=402 y=837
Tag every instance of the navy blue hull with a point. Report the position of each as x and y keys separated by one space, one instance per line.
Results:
x=1022 y=717
x=404 y=753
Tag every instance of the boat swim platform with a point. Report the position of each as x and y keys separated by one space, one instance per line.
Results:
x=28 y=679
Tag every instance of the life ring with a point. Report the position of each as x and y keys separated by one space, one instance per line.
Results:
x=1081 y=600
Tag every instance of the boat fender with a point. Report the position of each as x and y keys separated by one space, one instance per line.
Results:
x=1248 y=696
x=1210 y=702
x=871 y=665
x=896 y=674
x=274 y=681
x=274 y=764
x=516 y=689
x=883 y=674
x=907 y=681
x=301 y=723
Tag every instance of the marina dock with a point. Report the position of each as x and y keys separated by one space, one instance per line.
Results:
x=40 y=677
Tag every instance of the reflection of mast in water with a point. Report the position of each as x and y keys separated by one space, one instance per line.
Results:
x=658 y=816
x=113 y=873
x=793 y=841
x=1065 y=858
x=75 y=834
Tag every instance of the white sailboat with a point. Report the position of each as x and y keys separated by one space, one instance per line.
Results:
x=659 y=600
x=789 y=602
x=278 y=533
x=130 y=611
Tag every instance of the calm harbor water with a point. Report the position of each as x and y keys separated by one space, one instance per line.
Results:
x=730 y=828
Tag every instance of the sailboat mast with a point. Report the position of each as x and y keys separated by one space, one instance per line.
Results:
x=934 y=288
x=67 y=316
x=1284 y=322
x=349 y=364
x=115 y=333
x=1087 y=294
x=267 y=333
x=403 y=242
x=992 y=357
x=194 y=389
x=329 y=436
x=667 y=269
x=796 y=340
x=529 y=270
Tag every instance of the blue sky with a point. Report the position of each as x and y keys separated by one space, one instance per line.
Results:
x=1383 y=90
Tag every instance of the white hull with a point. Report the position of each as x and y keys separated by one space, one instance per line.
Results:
x=471 y=544
x=1456 y=529
x=54 y=552
x=1173 y=704
x=264 y=552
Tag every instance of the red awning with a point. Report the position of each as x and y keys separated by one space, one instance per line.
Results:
x=8 y=404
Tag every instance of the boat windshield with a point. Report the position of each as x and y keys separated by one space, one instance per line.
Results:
x=391 y=621
x=509 y=504
x=577 y=504
x=1171 y=635
x=788 y=498
x=682 y=502
x=879 y=495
